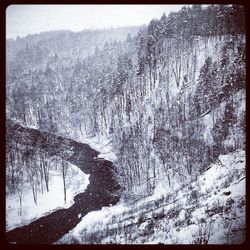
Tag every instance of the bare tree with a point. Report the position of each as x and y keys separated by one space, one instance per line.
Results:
x=44 y=166
x=64 y=169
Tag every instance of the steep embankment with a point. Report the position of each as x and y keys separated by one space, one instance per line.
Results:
x=102 y=190
x=178 y=83
x=201 y=113
x=210 y=210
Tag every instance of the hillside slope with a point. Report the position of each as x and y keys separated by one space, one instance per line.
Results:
x=210 y=210
x=164 y=104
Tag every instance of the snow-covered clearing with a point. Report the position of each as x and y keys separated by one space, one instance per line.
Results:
x=210 y=209
x=76 y=182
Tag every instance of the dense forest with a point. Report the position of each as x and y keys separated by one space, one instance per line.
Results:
x=147 y=93
x=169 y=97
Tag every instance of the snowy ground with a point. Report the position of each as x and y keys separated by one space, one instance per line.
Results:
x=103 y=145
x=210 y=209
x=76 y=182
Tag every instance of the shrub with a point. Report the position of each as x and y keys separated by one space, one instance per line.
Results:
x=215 y=210
x=159 y=216
x=149 y=229
x=188 y=213
x=241 y=202
x=205 y=230
x=179 y=223
x=173 y=213
x=141 y=218
x=157 y=203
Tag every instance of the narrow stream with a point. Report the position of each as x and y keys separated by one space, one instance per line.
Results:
x=102 y=190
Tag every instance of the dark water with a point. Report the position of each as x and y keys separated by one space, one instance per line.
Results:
x=102 y=190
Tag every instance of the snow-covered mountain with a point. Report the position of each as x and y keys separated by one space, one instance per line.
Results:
x=165 y=103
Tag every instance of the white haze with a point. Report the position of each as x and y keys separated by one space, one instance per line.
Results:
x=22 y=20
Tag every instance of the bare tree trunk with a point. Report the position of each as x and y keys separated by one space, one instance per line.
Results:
x=34 y=194
x=20 y=202
x=34 y=191
x=64 y=173
x=45 y=172
x=64 y=188
x=42 y=183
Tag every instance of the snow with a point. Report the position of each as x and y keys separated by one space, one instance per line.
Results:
x=100 y=143
x=239 y=188
x=92 y=219
x=214 y=177
x=161 y=99
x=76 y=182
x=208 y=123
x=210 y=187
x=103 y=145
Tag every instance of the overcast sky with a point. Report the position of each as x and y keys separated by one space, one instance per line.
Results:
x=22 y=20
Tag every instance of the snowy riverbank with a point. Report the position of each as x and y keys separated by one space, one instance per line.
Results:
x=211 y=209
x=76 y=182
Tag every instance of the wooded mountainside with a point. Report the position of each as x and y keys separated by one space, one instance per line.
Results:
x=169 y=96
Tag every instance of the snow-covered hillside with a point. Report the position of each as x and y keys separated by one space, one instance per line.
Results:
x=47 y=201
x=156 y=117
x=209 y=210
